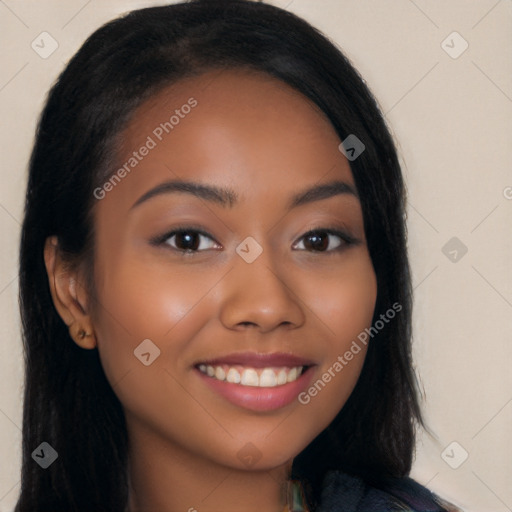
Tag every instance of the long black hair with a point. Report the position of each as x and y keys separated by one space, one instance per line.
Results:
x=68 y=401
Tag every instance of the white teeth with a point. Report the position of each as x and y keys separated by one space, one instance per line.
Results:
x=268 y=378
x=281 y=377
x=261 y=377
x=233 y=376
x=220 y=374
x=249 y=378
x=292 y=375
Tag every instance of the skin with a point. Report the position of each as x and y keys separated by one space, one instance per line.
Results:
x=266 y=142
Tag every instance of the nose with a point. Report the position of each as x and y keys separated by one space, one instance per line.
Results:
x=257 y=295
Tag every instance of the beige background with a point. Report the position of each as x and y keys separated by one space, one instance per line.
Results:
x=452 y=118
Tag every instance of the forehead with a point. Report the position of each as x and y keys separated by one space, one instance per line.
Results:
x=240 y=128
x=245 y=94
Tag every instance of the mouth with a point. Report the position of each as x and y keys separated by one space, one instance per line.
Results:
x=268 y=377
x=258 y=382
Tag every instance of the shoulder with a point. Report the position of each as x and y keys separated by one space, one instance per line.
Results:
x=345 y=493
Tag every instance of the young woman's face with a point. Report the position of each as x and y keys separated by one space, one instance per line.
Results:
x=240 y=287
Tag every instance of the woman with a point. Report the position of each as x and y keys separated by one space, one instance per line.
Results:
x=215 y=289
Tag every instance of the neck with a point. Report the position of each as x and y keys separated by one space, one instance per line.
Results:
x=168 y=479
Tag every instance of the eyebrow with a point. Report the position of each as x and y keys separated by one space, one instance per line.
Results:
x=227 y=197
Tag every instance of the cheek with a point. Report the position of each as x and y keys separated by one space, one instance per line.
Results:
x=344 y=299
x=138 y=301
x=344 y=305
x=141 y=302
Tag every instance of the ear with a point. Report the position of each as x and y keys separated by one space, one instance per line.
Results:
x=69 y=296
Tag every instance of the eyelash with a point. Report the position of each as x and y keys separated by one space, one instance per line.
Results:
x=346 y=239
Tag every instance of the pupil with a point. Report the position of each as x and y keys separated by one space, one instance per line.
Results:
x=189 y=241
x=318 y=242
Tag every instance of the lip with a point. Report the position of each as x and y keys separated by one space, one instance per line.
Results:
x=259 y=399
x=259 y=360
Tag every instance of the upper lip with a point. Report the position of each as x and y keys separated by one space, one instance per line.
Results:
x=259 y=360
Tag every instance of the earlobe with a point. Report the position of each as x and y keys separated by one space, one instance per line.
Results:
x=82 y=337
x=69 y=298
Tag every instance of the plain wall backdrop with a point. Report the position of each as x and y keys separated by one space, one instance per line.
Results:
x=441 y=72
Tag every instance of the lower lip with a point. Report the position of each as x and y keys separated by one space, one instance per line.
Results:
x=259 y=399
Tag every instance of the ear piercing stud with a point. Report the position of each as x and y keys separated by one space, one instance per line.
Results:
x=82 y=334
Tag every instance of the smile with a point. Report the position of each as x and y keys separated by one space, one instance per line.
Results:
x=260 y=382
x=255 y=377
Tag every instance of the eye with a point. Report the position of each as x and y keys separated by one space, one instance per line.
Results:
x=320 y=240
x=188 y=240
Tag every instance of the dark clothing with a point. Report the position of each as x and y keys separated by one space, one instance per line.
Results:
x=344 y=493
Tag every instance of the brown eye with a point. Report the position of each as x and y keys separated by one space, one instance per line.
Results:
x=321 y=240
x=189 y=240
x=318 y=241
